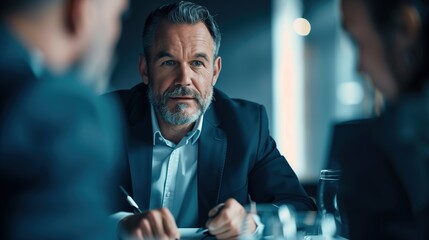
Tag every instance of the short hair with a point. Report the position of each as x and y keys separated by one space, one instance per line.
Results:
x=11 y=6
x=180 y=12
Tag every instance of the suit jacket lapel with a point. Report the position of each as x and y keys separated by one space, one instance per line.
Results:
x=211 y=161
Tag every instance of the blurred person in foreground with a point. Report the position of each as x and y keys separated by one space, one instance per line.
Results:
x=57 y=138
x=385 y=161
x=190 y=146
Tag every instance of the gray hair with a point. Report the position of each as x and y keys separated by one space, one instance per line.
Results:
x=180 y=12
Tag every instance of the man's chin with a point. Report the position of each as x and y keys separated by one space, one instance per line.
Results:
x=182 y=117
x=182 y=107
x=186 y=114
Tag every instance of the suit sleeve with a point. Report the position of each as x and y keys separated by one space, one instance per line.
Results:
x=57 y=153
x=272 y=180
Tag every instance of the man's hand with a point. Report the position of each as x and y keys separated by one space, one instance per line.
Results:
x=153 y=224
x=227 y=224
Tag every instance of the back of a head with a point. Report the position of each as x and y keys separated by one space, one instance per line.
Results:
x=180 y=13
x=14 y=6
x=384 y=14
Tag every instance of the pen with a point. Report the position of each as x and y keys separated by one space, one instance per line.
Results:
x=219 y=208
x=252 y=205
x=131 y=201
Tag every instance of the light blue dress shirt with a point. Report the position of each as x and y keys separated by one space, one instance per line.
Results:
x=174 y=174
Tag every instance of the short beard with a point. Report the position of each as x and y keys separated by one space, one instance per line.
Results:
x=178 y=116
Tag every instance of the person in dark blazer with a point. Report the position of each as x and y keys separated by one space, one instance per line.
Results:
x=385 y=160
x=57 y=137
x=190 y=146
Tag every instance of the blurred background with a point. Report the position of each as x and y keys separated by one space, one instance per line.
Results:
x=289 y=55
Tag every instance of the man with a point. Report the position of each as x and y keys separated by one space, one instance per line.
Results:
x=191 y=147
x=57 y=138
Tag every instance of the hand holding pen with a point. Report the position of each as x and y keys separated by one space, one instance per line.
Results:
x=226 y=219
x=214 y=212
x=152 y=224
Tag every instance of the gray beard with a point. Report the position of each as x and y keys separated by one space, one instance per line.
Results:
x=177 y=116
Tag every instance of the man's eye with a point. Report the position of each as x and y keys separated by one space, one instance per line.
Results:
x=168 y=63
x=197 y=63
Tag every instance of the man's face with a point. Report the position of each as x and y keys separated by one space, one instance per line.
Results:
x=181 y=71
x=372 y=55
x=96 y=62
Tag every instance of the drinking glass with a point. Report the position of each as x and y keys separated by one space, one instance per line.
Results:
x=273 y=222
x=283 y=222
x=327 y=202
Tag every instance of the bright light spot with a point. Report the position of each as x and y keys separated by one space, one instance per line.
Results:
x=350 y=93
x=302 y=26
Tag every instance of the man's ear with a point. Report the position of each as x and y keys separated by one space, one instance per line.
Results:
x=410 y=24
x=143 y=69
x=77 y=16
x=217 y=67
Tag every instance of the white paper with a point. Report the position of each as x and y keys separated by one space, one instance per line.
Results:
x=190 y=233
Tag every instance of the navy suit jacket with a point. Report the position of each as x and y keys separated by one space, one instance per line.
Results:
x=236 y=155
x=385 y=162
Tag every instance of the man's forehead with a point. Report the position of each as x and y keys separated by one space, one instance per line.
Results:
x=166 y=28
x=171 y=37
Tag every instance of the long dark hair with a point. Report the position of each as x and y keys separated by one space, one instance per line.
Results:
x=384 y=16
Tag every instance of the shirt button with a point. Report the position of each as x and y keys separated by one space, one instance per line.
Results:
x=167 y=194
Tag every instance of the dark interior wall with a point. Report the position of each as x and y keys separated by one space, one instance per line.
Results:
x=246 y=47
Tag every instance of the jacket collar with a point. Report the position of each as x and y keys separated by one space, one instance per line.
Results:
x=211 y=154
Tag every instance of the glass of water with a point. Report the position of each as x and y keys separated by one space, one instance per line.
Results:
x=327 y=202
x=273 y=222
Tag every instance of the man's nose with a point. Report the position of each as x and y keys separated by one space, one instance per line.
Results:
x=184 y=75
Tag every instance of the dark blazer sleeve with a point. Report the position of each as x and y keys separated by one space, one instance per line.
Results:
x=253 y=164
x=271 y=179
x=386 y=174
x=57 y=151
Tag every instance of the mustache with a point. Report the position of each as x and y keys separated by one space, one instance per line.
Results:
x=181 y=91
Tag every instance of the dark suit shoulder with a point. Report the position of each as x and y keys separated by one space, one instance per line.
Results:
x=348 y=135
x=355 y=123
x=16 y=76
x=126 y=96
x=222 y=97
x=235 y=112
x=223 y=103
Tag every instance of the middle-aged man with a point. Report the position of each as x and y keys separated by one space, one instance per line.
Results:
x=57 y=138
x=190 y=146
